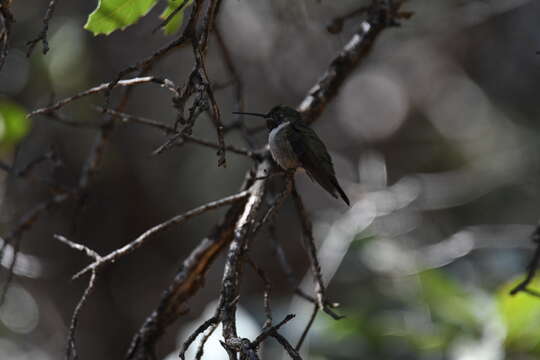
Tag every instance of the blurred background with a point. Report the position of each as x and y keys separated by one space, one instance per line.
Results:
x=435 y=139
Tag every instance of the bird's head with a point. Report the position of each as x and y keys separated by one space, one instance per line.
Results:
x=277 y=115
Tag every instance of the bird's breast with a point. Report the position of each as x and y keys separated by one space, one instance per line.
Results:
x=281 y=149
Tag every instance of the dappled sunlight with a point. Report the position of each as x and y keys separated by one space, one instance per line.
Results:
x=25 y=264
x=367 y=99
x=20 y=311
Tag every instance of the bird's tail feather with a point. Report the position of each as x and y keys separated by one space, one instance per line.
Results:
x=342 y=193
x=329 y=184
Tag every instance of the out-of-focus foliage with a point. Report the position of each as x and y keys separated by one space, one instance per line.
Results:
x=13 y=124
x=111 y=15
x=440 y=312
x=521 y=316
x=447 y=300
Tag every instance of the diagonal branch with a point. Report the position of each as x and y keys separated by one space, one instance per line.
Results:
x=128 y=118
x=233 y=266
x=187 y=281
x=357 y=49
x=71 y=349
x=169 y=85
x=144 y=237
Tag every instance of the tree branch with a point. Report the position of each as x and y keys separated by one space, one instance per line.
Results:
x=144 y=237
x=167 y=84
x=44 y=31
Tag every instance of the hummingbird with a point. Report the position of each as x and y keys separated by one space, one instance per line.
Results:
x=293 y=145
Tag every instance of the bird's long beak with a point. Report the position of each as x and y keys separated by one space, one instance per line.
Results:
x=249 y=113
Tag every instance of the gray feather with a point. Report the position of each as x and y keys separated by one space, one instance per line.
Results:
x=314 y=158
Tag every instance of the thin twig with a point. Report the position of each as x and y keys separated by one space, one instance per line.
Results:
x=308 y=327
x=104 y=87
x=379 y=18
x=144 y=237
x=181 y=40
x=171 y=130
x=531 y=268
x=216 y=114
x=165 y=21
x=186 y=282
x=238 y=89
x=309 y=243
x=276 y=204
x=26 y=172
x=201 y=329
x=71 y=349
x=286 y=345
x=287 y=269
x=204 y=339
x=268 y=331
x=89 y=252
x=43 y=33
x=267 y=291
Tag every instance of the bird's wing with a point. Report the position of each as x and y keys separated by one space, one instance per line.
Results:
x=314 y=157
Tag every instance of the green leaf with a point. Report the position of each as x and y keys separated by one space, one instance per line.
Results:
x=111 y=15
x=13 y=123
x=176 y=22
x=521 y=316
x=447 y=300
